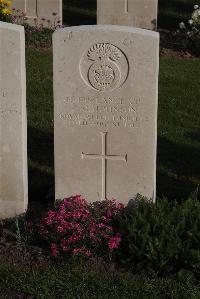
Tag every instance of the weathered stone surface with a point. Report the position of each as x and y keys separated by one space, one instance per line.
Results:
x=36 y=10
x=137 y=13
x=13 y=123
x=105 y=92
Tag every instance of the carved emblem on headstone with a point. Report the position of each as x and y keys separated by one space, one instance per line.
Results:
x=104 y=67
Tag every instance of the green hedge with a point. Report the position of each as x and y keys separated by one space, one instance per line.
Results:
x=162 y=237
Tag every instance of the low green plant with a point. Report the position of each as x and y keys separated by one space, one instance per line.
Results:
x=24 y=231
x=38 y=37
x=163 y=238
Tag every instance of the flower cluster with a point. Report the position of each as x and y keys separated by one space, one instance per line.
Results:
x=18 y=16
x=4 y=11
x=194 y=22
x=78 y=228
x=38 y=24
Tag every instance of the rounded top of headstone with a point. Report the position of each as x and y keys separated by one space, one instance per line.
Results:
x=107 y=28
x=11 y=26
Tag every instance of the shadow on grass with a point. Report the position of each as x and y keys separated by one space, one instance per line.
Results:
x=178 y=168
x=172 y=12
x=177 y=5
x=41 y=165
x=79 y=12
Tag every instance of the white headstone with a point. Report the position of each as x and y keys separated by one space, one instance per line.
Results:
x=105 y=93
x=136 y=13
x=13 y=122
x=36 y=10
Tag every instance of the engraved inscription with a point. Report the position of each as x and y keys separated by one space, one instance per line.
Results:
x=9 y=112
x=3 y=93
x=104 y=157
x=128 y=42
x=104 y=67
x=104 y=112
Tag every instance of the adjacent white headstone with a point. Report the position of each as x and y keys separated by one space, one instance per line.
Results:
x=105 y=93
x=13 y=122
x=45 y=12
x=136 y=13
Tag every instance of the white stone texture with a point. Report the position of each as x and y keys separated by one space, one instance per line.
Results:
x=13 y=121
x=105 y=109
x=136 y=13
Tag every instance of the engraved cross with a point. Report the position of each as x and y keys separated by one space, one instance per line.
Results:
x=126 y=6
x=36 y=7
x=104 y=157
x=28 y=4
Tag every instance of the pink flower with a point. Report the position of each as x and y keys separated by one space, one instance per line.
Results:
x=54 y=249
x=77 y=250
x=73 y=239
x=113 y=243
x=48 y=221
x=88 y=253
x=101 y=225
x=104 y=218
x=109 y=228
x=83 y=251
x=51 y=214
x=60 y=229
x=64 y=245
x=75 y=224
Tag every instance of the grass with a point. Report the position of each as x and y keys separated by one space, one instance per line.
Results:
x=77 y=282
x=170 y=13
x=79 y=12
x=40 y=123
x=178 y=126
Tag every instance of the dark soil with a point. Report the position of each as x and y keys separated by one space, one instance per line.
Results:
x=164 y=52
x=14 y=253
x=179 y=44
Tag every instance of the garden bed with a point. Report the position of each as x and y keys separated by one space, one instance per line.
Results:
x=157 y=257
